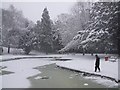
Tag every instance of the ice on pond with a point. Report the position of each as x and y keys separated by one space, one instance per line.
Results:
x=70 y=77
x=86 y=84
x=38 y=77
x=23 y=69
x=102 y=81
x=43 y=67
x=45 y=77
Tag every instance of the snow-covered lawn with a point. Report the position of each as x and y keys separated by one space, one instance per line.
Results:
x=12 y=50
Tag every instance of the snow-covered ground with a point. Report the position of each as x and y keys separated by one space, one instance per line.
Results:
x=12 y=50
x=87 y=64
x=24 y=68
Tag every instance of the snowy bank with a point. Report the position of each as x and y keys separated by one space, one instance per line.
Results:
x=10 y=57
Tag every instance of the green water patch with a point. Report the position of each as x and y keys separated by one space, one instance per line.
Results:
x=3 y=67
x=52 y=76
x=5 y=72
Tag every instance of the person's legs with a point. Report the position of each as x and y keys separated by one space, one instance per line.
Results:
x=99 y=68
x=95 y=68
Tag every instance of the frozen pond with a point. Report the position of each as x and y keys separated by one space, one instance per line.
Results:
x=22 y=69
x=42 y=73
x=55 y=77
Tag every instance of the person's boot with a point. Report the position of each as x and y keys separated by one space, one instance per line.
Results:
x=99 y=69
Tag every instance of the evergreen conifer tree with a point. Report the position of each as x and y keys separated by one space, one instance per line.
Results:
x=102 y=30
x=46 y=32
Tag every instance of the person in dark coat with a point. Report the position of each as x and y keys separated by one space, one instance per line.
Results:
x=97 y=63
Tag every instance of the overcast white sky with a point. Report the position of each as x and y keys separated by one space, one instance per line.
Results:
x=33 y=10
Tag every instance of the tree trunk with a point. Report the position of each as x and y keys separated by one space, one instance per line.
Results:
x=9 y=49
x=83 y=53
x=91 y=54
